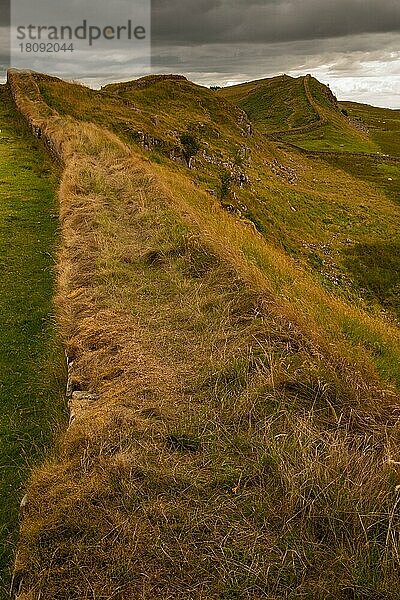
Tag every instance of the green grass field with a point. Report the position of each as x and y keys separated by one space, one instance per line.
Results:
x=330 y=137
x=383 y=125
x=31 y=363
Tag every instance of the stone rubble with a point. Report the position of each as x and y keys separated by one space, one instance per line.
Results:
x=285 y=173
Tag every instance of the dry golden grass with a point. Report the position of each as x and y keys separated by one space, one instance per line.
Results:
x=239 y=445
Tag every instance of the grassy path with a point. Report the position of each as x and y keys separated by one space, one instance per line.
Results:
x=31 y=365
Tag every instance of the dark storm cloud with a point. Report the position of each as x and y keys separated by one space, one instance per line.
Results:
x=258 y=21
x=246 y=61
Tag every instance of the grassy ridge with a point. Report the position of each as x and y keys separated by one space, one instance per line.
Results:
x=241 y=440
x=30 y=360
x=338 y=132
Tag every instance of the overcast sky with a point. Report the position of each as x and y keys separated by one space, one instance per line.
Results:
x=354 y=45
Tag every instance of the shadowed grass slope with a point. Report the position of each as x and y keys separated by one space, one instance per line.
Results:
x=242 y=440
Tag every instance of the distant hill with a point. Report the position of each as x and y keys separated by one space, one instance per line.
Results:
x=302 y=111
x=276 y=104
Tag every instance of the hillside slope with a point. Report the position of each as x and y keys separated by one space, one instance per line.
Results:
x=329 y=221
x=234 y=422
x=277 y=104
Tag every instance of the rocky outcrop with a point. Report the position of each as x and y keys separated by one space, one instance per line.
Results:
x=331 y=97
